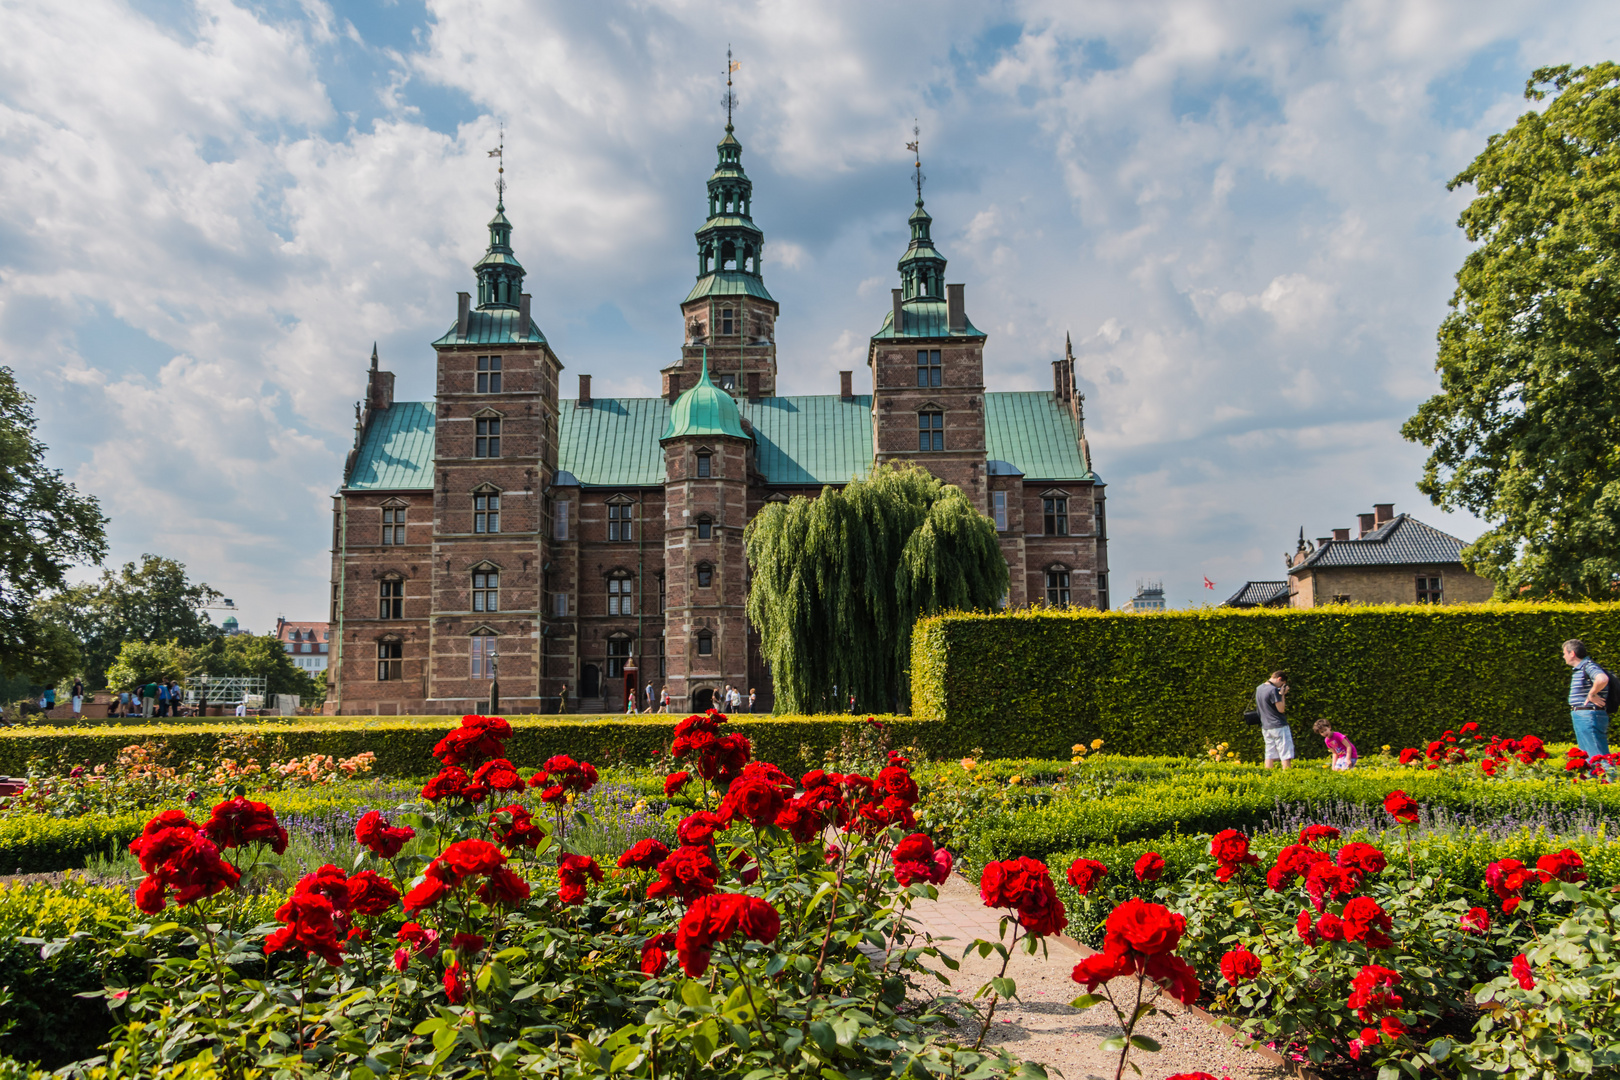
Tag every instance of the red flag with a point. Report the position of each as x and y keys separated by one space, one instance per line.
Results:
x=1208 y=584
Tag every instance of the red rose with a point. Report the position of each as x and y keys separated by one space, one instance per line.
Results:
x=572 y=873
x=477 y=739
x=238 y=821
x=1366 y=921
x=697 y=830
x=1402 y=807
x=1231 y=851
x=310 y=927
x=1099 y=968
x=895 y=781
x=1084 y=874
x=450 y=783
x=1476 y=921
x=1522 y=972
x=722 y=760
x=655 y=953
x=644 y=855
x=498 y=775
x=1041 y=913
x=1564 y=866
x=674 y=782
x=383 y=839
x=1330 y=928
x=1239 y=966
x=369 y=893
x=455 y=987
x=1176 y=976
x=1410 y=755
x=1190 y=1076
x=415 y=941
x=1362 y=857
x=465 y=858
x=1372 y=992
x=713 y=919
x=753 y=798
x=1312 y=834
x=1150 y=867
x=799 y=822
x=1142 y=927
x=505 y=887
x=1293 y=861
x=514 y=827
x=1327 y=880
x=1306 y=929
x=424 y=895
x=688 y=873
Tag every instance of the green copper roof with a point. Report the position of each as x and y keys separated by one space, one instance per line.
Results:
x=614 y=443
x=729 y=283
x=924 y=317
x=705 y=409
x=397 y=452
x=1034 y=433
x=496 y=326
x=811 y=440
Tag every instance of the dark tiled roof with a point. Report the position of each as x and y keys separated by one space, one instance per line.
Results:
x=1258 y=594
x=1403 y=541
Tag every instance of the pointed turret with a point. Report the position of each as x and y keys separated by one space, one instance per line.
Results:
x=730 y=246
x=500 y=275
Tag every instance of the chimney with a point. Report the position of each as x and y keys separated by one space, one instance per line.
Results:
x=956 y=313
x=1383 y=513
x=1367 y=525
x=753 y=386
x=584 y=401
x=1057 y=379
x=381 y=390
x=1341 y=534
x=463 y=310
x=1320 y=540
x=846 y=385
x=897 y=324
x=674 y=385
x=523 y=317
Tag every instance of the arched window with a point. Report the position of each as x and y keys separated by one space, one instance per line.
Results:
x=705 y=643
x=705 y=526
x=705 y=575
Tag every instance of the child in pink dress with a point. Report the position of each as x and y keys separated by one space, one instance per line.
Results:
x=1338 y=745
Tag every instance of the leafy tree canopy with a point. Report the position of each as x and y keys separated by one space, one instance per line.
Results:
x=839 y=580
x=239 y=655
x=46 y=526
x=152 y=602
x=1525 y=432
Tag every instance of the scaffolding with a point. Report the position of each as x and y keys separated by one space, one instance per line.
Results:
x=228 y=690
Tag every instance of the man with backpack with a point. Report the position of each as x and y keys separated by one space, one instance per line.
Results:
x=1590 y=695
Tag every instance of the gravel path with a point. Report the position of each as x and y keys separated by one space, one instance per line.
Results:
x=1041 y=1026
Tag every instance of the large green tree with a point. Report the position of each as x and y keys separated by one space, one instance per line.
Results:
x=46 y=526
x=237 y=655
x=839 y=580
x=153 y=602
x=1525 y=432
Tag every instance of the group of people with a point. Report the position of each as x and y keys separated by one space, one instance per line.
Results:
x=1591 y=701
x=728 y=699
x=158 y=698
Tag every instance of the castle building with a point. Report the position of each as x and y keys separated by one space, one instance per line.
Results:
x=575 y=551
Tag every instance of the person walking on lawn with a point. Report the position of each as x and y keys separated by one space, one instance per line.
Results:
x=1271 y=702
x=1589 y=698
x=78 y=698
x=149 y=694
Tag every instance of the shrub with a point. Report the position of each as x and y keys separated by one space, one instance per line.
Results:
x=1035 y=682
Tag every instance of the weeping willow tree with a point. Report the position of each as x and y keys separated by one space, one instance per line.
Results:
x=838 y=582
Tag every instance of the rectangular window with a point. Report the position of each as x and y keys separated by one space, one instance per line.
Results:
x=930 y=431
x=559 y=605
x=486 y=591
x=1056 y=512
x=705 y=575
x=487 y=440
x=726 y=323
x=560 y=522
x=393 y=529
x=705 y=529
x=619 y=596
x=1100 y=530
x=618 y=652
x=489 y=374
x=483 y=656
x=929 y=371
x=704 y=466
x=1341 y=598
x=486 y=513
x=619 y=521
x=1428 y=590
x=705 y=644
x=392 y=605
x=390 y=659
x=998 y=506
x=1057 y=588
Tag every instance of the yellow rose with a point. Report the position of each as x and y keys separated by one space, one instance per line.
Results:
x=1016 y=780
x=968 y=763
x=1096 y=744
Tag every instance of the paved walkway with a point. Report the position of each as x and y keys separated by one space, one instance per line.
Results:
x=1040 y=1025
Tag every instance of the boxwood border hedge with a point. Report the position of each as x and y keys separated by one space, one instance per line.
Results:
x=1032 y=683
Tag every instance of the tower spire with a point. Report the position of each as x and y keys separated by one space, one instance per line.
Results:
x=500 y=172
x=729 y=98
x=915 y=146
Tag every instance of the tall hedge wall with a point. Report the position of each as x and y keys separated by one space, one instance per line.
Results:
x=1033 y=683
x=405 y=747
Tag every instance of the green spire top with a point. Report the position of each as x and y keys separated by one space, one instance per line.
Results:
x=500 y=275
x=730 y=246
x=705 y=409
x=922 y=267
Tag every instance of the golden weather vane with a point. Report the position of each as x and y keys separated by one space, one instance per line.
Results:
x=500 y=172
x=729 y=99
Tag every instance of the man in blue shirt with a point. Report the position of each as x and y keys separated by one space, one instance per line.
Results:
x=1588 y=700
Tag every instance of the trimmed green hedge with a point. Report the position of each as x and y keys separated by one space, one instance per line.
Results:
x=1032 y=683
x=404 y=746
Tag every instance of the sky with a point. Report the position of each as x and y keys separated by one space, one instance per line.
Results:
x=209 y=211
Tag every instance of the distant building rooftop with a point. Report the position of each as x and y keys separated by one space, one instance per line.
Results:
x=1400 y=541
x=1259 y=594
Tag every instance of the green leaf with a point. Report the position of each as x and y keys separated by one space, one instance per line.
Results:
x=821 y=1033
x=1004 y=986
x=696 y=994
x=1142 y=1042
x=1113 y=1045
x=706 y=1039
x=1086 y=1001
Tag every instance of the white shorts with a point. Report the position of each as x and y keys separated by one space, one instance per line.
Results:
x=1279 y=743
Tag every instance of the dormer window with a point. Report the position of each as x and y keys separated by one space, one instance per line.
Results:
x=705 y=525
x=704 y=465
x=489 y=374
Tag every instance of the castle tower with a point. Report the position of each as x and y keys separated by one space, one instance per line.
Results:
x=927 y=364
x=729 y=315
x=706 y=454
x=495 y=453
